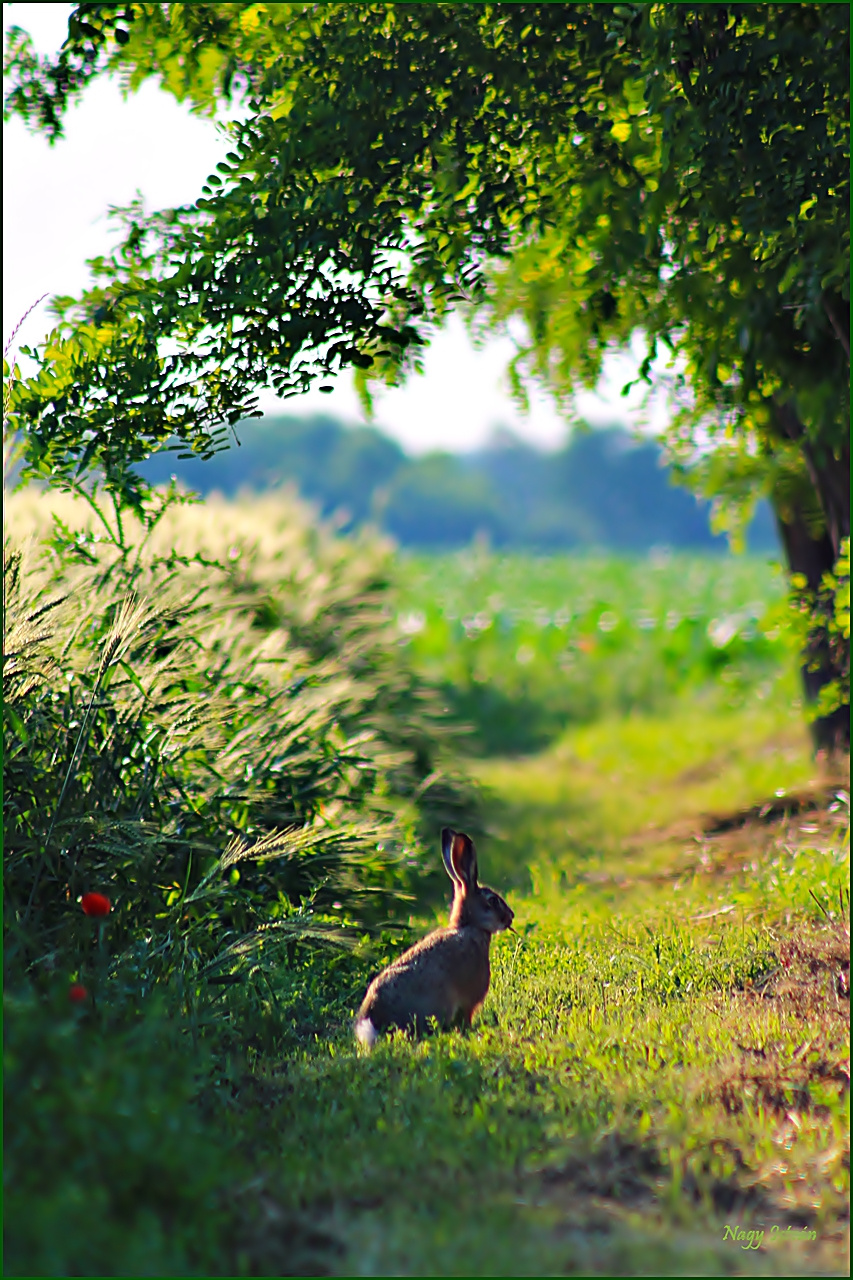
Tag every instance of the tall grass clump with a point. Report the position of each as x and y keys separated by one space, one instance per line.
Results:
x=207 y=721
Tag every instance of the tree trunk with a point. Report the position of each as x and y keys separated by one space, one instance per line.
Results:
x=829 y=475
x=813 y=558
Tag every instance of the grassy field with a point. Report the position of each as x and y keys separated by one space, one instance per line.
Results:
x=659 y=1080
x=662 y=1063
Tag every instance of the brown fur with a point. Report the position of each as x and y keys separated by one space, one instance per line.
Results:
x=446 y=975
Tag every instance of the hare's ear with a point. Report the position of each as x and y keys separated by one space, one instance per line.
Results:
x=461 y=860
x=447 y=839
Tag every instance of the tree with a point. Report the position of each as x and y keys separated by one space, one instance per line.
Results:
x=735 y=137
x=678 y=169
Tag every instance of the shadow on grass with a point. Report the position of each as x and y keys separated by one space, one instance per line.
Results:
x=503 y=724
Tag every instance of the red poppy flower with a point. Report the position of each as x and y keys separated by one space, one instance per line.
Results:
x=95 y=904
x=77 y=993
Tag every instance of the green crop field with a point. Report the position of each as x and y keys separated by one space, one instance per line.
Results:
x=526 y=646
x=247 y=734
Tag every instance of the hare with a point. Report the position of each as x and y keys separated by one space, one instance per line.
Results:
x=446 y=975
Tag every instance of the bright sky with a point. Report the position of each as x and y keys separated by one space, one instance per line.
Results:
x=54 y=205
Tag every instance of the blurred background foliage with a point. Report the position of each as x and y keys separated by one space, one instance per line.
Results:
x=524 y=647
x=604 y=488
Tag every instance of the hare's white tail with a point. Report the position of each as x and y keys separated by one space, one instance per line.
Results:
x=366 y=1033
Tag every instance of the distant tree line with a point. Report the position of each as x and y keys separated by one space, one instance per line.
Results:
x=603 y=489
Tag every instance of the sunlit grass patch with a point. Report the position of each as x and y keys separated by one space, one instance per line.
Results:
x=605 y=795
x=640 y=1077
